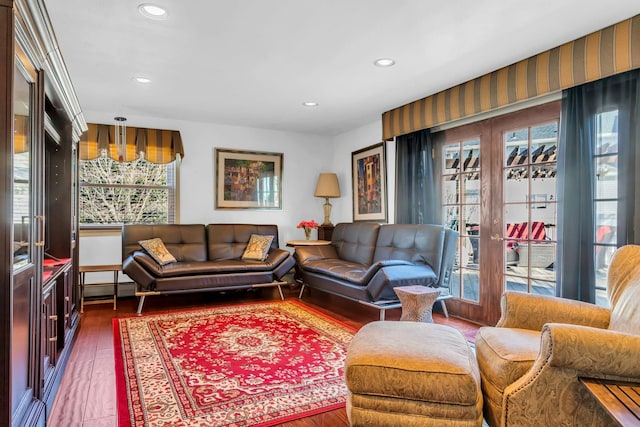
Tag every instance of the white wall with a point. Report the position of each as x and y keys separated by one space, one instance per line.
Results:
x=343 y=145
x=305 y=156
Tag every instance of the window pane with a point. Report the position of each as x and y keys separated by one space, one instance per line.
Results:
x=471 y=155
x=606 y=198
x=607 y=133
x=607 y=177
x=450 y=191
x=606 y=222
x=451 y=158
x=516 y=145
x=123 y=193
x=471 y=184
x=461 y=211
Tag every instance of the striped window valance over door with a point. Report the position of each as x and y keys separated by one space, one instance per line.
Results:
x=610 y=51
x=155 y=145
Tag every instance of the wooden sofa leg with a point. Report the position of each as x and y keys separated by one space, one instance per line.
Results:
x=301 y=291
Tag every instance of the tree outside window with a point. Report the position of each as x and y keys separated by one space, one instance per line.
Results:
x=126 y=193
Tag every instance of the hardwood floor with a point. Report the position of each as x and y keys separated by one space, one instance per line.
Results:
x=87 y=396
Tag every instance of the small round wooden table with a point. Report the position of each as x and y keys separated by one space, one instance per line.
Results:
x=417 y=302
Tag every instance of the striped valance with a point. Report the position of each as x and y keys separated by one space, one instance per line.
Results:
x=610 y=51
x=156 y=145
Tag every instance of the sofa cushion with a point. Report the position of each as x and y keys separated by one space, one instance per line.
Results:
x=359 y=274
x=186 y=242
x=340 y=269
x=413 y=361
x=157 y=250
x=194 y=268
x=355 y=242
x=257 y=248
x=228 y=241
x=504 y=355
x=418 y=243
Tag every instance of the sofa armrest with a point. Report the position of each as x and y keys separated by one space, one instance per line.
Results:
x=276 y=257
x=306 y=253
x=528 y=311
x=137 y=272
x=147 y=262
x=376 y=266
x=591 y=351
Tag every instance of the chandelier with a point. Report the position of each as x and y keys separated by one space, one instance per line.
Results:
x=121 y=137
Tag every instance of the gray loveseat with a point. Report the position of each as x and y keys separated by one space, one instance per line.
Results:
x=365 y=261
x=208 y=258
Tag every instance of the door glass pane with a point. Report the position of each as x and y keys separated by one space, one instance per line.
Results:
x=21 y=171
x=461 y=212
x=606 y=198
x=530 y=212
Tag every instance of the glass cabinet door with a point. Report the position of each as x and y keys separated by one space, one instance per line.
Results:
x=22 y=160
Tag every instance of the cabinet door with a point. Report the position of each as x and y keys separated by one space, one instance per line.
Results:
x=49 y=335
x=25 y=248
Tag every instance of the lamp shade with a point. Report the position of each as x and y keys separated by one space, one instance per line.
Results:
x=327 y=186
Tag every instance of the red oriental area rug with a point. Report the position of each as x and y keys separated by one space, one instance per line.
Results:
x=245 y=365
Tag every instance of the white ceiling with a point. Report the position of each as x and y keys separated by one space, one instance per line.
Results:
x=253 y=62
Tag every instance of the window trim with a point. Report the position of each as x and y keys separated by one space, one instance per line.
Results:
x=118 y=226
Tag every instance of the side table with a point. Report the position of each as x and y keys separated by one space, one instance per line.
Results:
x=294 y=243
x=83 y=269
x=417 y=302
x=325 y=232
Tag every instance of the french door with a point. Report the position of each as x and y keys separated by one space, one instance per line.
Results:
x=498 y=190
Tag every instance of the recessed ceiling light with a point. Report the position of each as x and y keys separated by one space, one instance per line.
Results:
x=310 y=104
x=152 y=11
x=144 y=80
x=384 y=62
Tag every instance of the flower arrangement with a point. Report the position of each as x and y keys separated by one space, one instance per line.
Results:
x=308 y=224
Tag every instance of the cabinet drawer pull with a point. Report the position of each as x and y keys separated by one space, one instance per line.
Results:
x=53 y=317
x=53 y=339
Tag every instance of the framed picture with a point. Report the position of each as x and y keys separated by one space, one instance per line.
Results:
x=369 y=176
x=248 y=179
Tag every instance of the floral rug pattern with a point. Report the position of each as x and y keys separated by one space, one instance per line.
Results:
x=246 y=365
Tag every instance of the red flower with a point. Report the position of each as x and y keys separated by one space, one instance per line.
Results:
x=308 y=224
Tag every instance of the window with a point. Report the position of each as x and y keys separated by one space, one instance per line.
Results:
x=461 y=212
x=605 y=198
x=530 y=212
x=125 y=193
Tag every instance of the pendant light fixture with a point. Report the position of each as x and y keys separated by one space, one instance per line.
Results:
x=121 y=137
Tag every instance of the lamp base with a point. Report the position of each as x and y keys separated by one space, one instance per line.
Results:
x=327 y=213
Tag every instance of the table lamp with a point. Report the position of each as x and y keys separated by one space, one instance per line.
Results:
x=327 y=187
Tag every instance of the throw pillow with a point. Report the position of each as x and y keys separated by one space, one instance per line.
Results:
x=258 y=247
x=157 y=250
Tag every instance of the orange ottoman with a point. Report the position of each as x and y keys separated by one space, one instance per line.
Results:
x=412 y=374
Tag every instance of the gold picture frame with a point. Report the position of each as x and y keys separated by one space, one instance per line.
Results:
x=248 y=179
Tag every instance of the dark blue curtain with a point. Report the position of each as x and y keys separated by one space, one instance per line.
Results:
x=415 y=187
x=576 y=174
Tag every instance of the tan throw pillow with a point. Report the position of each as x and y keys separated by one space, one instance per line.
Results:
x=157 y=250
x=258 y=247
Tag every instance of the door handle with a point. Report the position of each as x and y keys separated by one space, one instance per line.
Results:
x=41 y=236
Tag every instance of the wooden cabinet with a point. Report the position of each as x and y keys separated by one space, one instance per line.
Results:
x=40 y=126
